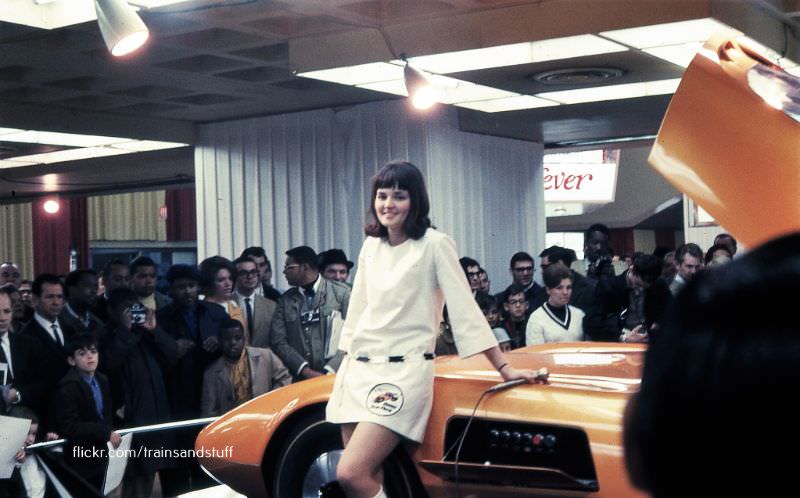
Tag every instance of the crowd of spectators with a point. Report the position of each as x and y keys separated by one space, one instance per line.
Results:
x=604 y=297
x=85 y=354
x=89 y=353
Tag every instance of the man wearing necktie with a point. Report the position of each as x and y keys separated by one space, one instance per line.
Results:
x=301 y=327
x=258 y=309
x=20 y=354
x=52 y=333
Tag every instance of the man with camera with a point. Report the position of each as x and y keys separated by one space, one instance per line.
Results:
x=598 y=256
x=302 y=324
x=136 y=354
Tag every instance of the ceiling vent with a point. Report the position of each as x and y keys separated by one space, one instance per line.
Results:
x=577 y=76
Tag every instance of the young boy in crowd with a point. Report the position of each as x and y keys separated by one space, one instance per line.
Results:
x=82 y=411
x=241 y=374
x=490 y=309
x=516 y=312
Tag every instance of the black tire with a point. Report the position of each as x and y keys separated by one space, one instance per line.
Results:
x=312 y=436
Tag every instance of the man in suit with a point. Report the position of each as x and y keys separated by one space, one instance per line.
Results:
x=258 y=310
x=81 y=290
x=302 y=325
x=24 y=382
x=265 y=268
x=194 y=325
x=241 y=374
x=143 y=282
x=690 y=260
x=522 y=268
x=52 y=333
x=115 y=275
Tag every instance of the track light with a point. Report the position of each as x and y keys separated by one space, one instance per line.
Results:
x=423 y=93
x=122 y=29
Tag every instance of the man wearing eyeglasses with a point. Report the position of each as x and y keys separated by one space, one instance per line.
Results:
x=258 y=310
x=516 y=316
x=302 y=325
x=472 y=270
x=522 y=269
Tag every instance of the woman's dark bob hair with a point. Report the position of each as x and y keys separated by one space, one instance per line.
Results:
x=209 y=269
x=401 y=175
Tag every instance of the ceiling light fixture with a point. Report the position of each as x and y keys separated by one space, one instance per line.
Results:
x=122 y=28
x=423 y=93
x=51 y=206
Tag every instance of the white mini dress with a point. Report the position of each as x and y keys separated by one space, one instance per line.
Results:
x=395 y=310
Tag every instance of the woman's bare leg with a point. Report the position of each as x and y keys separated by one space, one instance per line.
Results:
x=360 y=468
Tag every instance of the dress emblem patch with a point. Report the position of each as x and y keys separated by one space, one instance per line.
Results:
x=385 y=399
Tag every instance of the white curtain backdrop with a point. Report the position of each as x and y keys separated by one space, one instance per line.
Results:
x=302 y=178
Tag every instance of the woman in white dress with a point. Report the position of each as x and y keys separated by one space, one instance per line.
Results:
x=555 y=320
x=406 y=270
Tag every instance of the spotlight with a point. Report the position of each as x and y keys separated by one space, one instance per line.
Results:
x=51 y=206
x=122 y=29
x=422 y=93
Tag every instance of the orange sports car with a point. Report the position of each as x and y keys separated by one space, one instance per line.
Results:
x=559 y=439
x=730 y=141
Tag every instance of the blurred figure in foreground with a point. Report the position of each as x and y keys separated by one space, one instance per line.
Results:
x=722 y=367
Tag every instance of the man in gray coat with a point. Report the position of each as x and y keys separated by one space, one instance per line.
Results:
x=303 y=322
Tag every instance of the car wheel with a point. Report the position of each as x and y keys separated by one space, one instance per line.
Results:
x=308 y=460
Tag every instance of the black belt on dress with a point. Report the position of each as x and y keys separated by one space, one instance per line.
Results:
x=392 y=359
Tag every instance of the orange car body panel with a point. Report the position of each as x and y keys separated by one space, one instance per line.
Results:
x=589 y=386
x=713 y=145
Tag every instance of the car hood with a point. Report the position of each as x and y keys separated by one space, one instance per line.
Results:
x=587 y=366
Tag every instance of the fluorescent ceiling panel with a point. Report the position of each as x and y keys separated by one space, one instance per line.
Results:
x=88 y=146
x=11 y=163
x=58 y=13
x=673 y=33
x=145 y=145
x=517 y=53
x=71 y=155
x=508 y=104
x=613 y=92
x=358 y=75
x=395 y=87
x=55 y=138
x=680 y=55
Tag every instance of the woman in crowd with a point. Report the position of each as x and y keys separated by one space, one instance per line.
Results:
x=555 y=320
x=218 y=277
x=406 y=269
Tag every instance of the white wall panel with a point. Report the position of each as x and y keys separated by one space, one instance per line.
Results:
x=301 y=178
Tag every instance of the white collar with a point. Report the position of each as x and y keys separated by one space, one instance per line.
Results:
x=45 y=323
